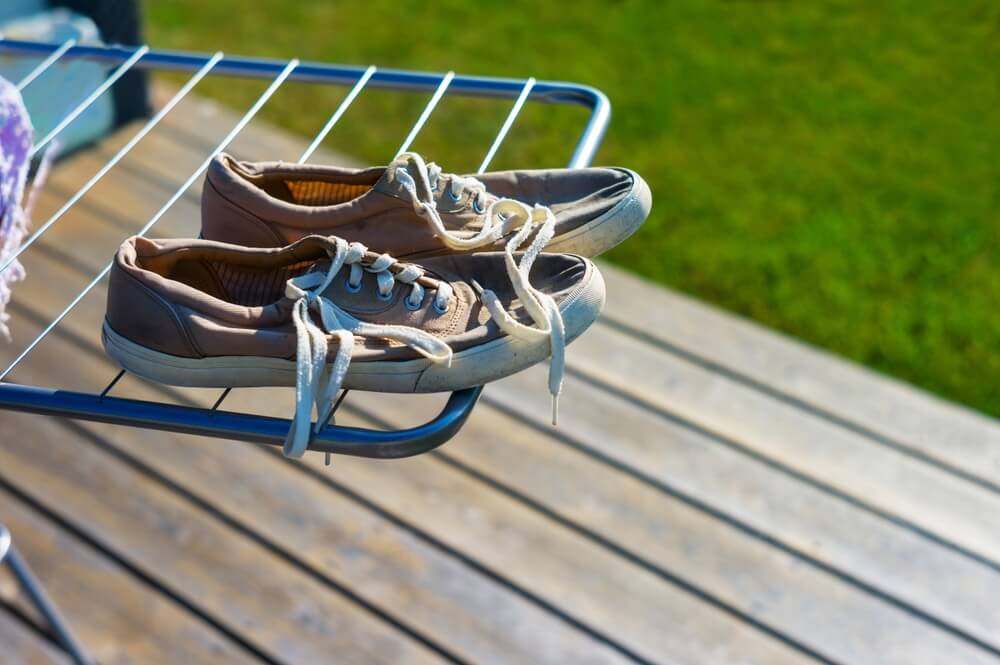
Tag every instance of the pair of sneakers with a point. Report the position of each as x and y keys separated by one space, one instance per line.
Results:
x=282 y=289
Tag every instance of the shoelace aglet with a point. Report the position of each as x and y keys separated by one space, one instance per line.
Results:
x=555 y=410
x=477 y=287
x=326 y=459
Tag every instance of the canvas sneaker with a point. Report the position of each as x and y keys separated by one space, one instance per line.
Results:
x=323 y=313
x=413 y=209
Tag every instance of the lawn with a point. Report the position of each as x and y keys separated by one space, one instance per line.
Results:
x=826 y=168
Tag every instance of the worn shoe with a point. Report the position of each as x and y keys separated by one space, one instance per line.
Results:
x=412 y=209
x=202 y=313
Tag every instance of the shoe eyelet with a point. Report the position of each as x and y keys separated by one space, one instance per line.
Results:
x=439 y=310
x=349 y=287
x=413 y=306
x=385 y=298
x=453 y=196
x=475 y=206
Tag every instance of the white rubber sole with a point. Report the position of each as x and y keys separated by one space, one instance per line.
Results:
x=610 y=229
x=596 y=236
x=472 y=367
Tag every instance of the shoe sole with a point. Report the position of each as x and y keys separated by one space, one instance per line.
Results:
x=610 y=229
x=472 y=367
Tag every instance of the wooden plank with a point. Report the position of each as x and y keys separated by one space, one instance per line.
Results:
x=570 y=572
x=201 y=123
x=20 y=645
x=686 y=462
x=970 y=620
x=942 y=431
x=883 y=409
x=958 y=605
x=275 y=606
x=886 y=410
x=831 y=640
x=284 y=613
x=801 y=602
x=973 y=615
x=388 y=567
x=115 y=616
x=460 y=608
x=131 y=193
x=170 y=153
x=474 y=617
x=587 y=580
x=929 y=499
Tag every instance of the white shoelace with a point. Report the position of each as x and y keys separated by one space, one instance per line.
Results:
x=501 y=217
x=315 y=382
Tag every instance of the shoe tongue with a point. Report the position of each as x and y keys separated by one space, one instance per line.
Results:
x=389 y=184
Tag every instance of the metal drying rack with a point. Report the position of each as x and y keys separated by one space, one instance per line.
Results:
x=102 y=407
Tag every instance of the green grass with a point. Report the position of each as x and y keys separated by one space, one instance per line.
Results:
x=827 y=168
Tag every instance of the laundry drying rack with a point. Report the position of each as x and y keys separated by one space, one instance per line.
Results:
x=215 y=422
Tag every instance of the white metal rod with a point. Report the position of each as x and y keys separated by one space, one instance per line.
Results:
x=344 y=105
x=422 y=120
x=508 y=123
x=148 y=127
x=266 y=95
x=348 y=100
x=46 y=63
x=341 y=109
x=85 y=104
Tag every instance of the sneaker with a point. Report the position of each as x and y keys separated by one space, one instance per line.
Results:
x=411 y=209
x=322 y=313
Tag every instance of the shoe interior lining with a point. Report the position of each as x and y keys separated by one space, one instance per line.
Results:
x=323 y=193
x=245 y=285
x=252 y=287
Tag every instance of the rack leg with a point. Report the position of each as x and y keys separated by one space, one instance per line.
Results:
x=37 y=594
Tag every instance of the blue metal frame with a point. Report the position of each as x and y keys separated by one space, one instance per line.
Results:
x=248 y=427
x=394 y=79
x=242 y=426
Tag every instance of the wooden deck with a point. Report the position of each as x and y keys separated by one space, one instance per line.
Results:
x=715 y=493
